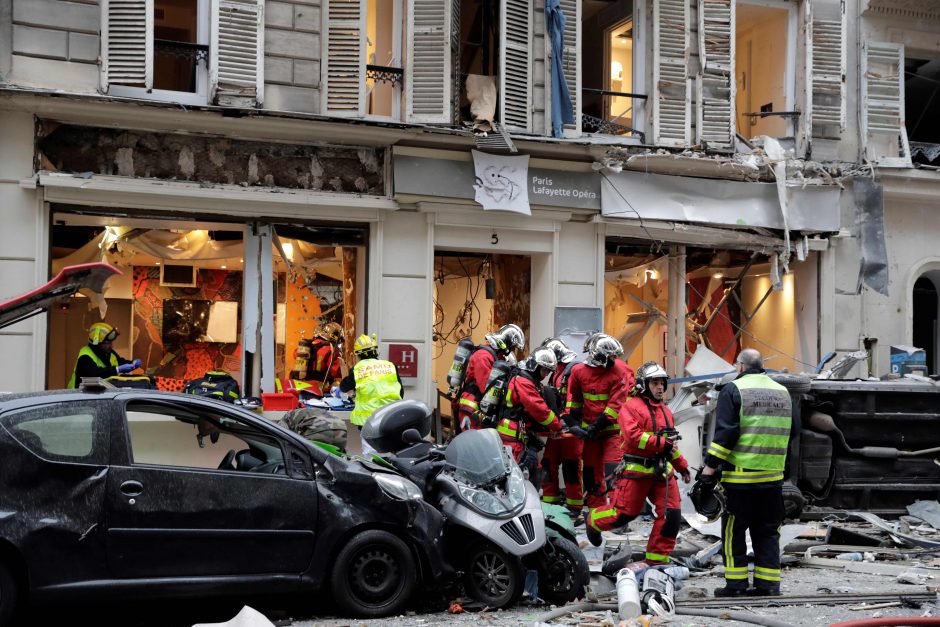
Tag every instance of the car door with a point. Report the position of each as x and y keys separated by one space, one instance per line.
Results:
x=53 y=457
x=173 y=512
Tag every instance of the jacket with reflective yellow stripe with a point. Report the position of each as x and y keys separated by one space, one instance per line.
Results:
x=752 y=430
x=524 y=403
x=595 y=391
x=637 y=427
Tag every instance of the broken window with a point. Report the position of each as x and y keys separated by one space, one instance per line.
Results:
x=608 y=103
x=921 y=100
x=160 y=49
x=884 y=134
x=764 y=56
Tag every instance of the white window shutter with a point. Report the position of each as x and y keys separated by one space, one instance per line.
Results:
x=236 y=53
x=515 y=68
x=715 y=113
x=884 y=137
x=571 y=60
x=428 y=82
x=827 y=75
x=127 y=43
x=672 y=89
x=344 y=58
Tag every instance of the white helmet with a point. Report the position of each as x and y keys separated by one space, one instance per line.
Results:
x=646 y=373
x=508 y=338
x=562 y=353
x=541 y=357
x=603 y=349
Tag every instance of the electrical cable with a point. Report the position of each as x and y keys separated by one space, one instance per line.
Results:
x=653 y=241
x=469 y=313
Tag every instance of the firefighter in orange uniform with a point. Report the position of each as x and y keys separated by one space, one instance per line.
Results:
x=498 y=346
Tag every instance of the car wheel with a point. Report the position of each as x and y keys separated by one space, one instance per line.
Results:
x=793 y=501
x=492 y=577
x=374 y=575
x=8 y=595
x=563 y=571
x=795 y=383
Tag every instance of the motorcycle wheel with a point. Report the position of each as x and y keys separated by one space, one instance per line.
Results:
x=563 y=571
x=492 y=576
x=374 y=575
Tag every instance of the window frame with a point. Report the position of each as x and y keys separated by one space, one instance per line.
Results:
x=398 y=35
x=198 y=98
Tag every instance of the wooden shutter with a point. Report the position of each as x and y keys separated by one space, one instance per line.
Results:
x=715 y=113
x=571 y=60
x=515 y=68
x=127 y=43
x=236 y=53
x=428 y=82
x=344 y=56
x=672 y=90
x=884 y=137
x=827 y=75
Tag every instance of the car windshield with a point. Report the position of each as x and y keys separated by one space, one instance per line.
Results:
x=478 y=457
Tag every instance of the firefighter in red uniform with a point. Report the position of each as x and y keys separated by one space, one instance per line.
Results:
x=526 y=413
x=649 y=455
x=326 y=364
x=566 y=450
x=498 y=346
x=597 y=389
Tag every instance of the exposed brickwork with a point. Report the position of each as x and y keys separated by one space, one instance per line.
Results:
x=211 y=160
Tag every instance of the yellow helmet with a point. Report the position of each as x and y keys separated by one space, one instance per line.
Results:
x=101 y=332
x=365 y=344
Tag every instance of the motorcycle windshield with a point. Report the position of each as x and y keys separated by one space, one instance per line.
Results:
x=478 y=457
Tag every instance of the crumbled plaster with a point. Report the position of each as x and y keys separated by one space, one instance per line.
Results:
x=209 y=160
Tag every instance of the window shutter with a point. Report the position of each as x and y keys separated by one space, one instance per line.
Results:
x=236 y=50
x=884 y=137
x=672 y=90
x=344 y=55
x=515 y=77
x=715 y=115
x=571 y=60
x=428 y=81
x=827 y=87
x=127 y=43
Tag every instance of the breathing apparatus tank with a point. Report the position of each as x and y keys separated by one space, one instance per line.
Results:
x=458 y=368
x=496 y=386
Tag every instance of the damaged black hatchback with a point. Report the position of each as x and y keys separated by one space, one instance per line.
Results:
x=139 y=493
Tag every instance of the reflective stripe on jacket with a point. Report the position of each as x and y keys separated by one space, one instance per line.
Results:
x=478 y=372
x=765 y=419
x=88 y=352
x=637 y=426
x=523 y=396
x=376 y=386
x=595 y=391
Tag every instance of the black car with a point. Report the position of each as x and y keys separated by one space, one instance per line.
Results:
x=144 y=493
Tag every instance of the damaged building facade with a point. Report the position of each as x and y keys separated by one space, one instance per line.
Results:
x=413 y=168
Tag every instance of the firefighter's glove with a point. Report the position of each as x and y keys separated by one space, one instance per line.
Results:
x=667 y=445
x=570 y=419
x=579 y=432
x=705 y=483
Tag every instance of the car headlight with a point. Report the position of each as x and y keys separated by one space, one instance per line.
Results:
x=398 y=488
x=482 y=500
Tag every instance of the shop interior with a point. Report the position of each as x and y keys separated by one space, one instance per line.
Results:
x=730 y=297
x=179 y=304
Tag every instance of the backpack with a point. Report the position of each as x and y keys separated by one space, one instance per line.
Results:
x=216 y=384
x=468 y=385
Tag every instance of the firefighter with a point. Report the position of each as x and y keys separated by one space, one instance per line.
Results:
x=326 y=366
x=649 y=456
x=375 y=381
x=98 y=359
x=748 y=454
x=526 y=414
x=499 y=345
x=597 y=389
x=565 y=450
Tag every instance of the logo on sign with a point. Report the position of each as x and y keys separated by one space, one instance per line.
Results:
x=405 y=357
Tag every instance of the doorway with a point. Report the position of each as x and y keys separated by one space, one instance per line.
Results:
x=925 y=318
x=475 y=294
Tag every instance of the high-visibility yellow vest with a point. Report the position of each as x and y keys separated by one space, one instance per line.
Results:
x=766 y=415
x=376 y=386
x=86 y=350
